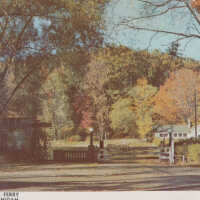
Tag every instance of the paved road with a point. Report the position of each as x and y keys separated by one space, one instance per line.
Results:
x=97 y=177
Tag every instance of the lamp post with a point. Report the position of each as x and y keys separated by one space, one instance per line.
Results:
x=171 y=144
x=91 y=147
x=91 y=136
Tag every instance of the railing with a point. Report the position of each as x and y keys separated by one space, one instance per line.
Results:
x=164 y=153
x=74 y=154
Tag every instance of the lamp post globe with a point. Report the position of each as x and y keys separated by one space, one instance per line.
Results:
x=91 y=129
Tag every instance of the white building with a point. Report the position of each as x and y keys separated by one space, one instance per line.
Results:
x=177 y=131
x=192 y=131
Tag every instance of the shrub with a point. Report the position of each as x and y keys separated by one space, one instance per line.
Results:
x=122 y=119
x=66 y=132
x=75 y=138
x=156 y=141
x=194 y=153
x=180 y=150
x=83 y=134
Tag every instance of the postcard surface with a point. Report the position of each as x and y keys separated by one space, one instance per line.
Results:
x=99 y=96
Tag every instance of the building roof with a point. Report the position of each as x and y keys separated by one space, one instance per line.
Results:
x=173 y=128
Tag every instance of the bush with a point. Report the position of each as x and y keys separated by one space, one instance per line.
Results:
x=66 y=132
x=75 y=138
x=194 y=153
x=122 y=119
x=83 y=134
x=180 y=150
x=156 y=141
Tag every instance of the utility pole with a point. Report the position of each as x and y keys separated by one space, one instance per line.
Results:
x=195 y=111
x=171 y=144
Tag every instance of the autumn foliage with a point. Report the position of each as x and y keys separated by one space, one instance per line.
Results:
x=175 y=99
x=83 y=112
x=143 y=100
x=196 y=4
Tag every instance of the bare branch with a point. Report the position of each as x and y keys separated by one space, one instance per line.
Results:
x=153 y=15
x=5 y=26
x=151 y=39
x=197 y=30
x=5 y=106
x=185 y=46
x=162 y=31
x=155 y=4
x=23 y=30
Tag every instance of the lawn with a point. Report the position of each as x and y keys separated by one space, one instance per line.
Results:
x=132 y=142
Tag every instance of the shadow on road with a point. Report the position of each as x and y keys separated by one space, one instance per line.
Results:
x=118 y=177
x=187 y=182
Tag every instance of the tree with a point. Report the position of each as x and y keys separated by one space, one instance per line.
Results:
x=175 y=99
x=173 y=49
x=94 y=83
x=47 y=27
x=123 y=119
x=127 y=65
x=124 y=67
x=143 y=100
x=173 y=11
x=26 y=102
x=55 y=104
x=83 y=111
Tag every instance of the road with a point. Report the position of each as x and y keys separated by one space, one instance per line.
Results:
x=97 y=177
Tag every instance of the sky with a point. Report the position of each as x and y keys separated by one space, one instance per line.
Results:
x=174 y=21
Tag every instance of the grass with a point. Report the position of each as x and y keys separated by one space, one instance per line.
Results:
x=132 y=142
x=66 y=143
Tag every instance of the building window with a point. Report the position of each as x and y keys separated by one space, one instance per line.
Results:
x=185 y=134
x=161 y=135
x=175 y=134
x=180 y=134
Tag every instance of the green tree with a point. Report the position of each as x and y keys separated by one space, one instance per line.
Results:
x=123 y=119
x=55 y=106
x=143 y=101
x=45 y=28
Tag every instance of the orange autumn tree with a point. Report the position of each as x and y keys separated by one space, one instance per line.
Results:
x=196 y=5
x=176 y=98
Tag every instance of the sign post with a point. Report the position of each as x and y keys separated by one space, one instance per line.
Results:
x=171 y=153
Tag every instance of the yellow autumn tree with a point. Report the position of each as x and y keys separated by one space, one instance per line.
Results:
x=143 y=100
x=55 y=105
